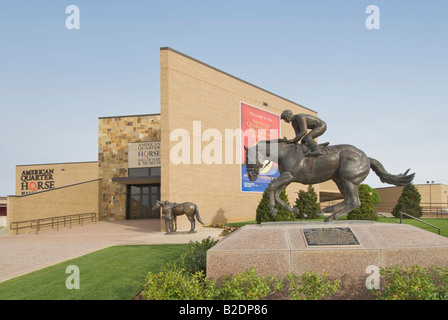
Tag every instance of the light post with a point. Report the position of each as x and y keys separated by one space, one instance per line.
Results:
x=446 y=200
x=430 y=195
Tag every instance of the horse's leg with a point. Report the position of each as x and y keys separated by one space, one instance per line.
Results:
x=337 y=206
x=285 y=205
x=354 y=167
x=271 y=192
x=333 y=208
x=277 y=196
x=275 y=188
x=190 y=216
x=351 y=201
x=175 y=223
x=193 y=223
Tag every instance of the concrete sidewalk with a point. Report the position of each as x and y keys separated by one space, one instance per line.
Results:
x=21 y=254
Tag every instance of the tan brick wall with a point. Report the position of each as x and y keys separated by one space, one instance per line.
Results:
x=434 y=197
x=192 y=91
x=53 y=175
x=74 y=199
x=114 y=135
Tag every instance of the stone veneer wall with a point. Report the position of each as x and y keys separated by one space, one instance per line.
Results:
x=114 y=134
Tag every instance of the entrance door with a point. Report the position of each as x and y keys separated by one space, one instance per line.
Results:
x=140 y=201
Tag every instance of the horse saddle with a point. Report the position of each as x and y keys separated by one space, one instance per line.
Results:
x=307 y=151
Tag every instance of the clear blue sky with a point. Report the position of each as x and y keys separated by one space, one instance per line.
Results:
x=384 y=91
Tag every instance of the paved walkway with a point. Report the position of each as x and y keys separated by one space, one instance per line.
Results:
x=21 y=254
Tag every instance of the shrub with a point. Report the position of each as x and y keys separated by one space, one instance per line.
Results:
x=242 y=286
x=182 y=279
x=174 y=283
x=409 y=202
x=264 y=213
x=194 y=259
x=307 y=203
x=414 y=283
x=311 y=286
x=369 y=198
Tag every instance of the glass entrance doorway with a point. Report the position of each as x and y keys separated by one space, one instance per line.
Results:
x=140 y=201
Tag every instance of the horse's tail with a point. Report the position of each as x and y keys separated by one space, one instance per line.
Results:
x=386 y=177
x=196 y=214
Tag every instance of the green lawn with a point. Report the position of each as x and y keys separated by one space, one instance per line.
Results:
x=115 y=273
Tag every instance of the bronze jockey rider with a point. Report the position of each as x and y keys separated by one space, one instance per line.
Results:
x=301 y=123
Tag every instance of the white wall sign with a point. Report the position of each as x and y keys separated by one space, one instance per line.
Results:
x=144 y=154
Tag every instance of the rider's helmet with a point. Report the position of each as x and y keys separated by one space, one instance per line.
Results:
x=287 y=115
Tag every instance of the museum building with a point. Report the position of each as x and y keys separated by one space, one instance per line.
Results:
x=191 y=151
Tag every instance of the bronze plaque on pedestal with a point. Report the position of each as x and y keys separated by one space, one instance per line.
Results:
x=323 y=237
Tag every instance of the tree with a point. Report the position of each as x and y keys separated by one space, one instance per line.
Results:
x=265 y=215
x=307 y=203
x=369 y=198
x=409 y=202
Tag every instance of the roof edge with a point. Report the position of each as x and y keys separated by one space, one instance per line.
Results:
x=236 y=78
x=132 y=115
x=54 y=163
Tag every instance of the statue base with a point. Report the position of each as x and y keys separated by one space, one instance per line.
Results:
x=343 y=250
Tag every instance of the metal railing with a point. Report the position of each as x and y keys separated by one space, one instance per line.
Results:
x=407 y=215
x=435 y=213
x=384 y=216
x=430 y=210
x=53 y=222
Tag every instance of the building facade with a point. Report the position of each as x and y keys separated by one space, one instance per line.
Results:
x=130 y=183
x=434 y=198
x=3 y=211
x=192 y=151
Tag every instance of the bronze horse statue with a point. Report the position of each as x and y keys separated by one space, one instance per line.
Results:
x=171 y=210
x=346 y=165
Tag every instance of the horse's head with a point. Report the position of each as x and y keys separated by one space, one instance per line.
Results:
x=166 y=206
x=156 y=208
x=255 y=162
x=158 y=205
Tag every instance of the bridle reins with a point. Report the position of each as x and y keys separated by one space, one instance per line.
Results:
x=258 y=166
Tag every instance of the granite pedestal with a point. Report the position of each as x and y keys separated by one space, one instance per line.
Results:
x=282 y=248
